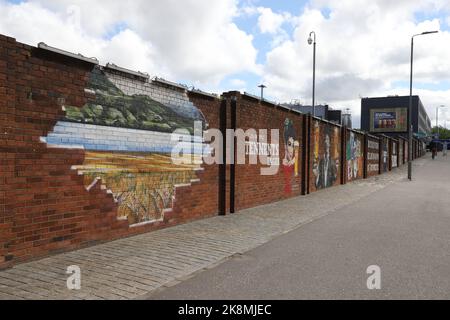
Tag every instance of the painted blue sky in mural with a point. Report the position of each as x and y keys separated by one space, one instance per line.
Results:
x=362 y=46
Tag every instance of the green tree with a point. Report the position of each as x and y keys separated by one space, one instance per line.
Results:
x=443 y=133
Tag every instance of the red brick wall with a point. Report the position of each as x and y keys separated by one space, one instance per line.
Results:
x=253 y=188
x=44 y=205
x=201 y=199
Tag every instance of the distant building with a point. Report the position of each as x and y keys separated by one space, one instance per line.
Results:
x=347 y=119
x=389 y=116
x=324 y=112
x=334 y=116
x=321 y=111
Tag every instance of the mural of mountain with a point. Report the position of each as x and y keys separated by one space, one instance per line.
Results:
x=113 y=108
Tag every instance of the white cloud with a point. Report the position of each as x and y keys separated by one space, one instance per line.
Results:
x=238 y=83
x=269 y=21
x=361 y=51
x=193 y=39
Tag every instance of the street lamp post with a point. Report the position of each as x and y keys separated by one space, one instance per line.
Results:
x=410 y=142
x=313 y=42
x=262 y=87
x=437 y=118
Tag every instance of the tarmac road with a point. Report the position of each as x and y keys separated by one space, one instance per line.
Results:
x=404 y=229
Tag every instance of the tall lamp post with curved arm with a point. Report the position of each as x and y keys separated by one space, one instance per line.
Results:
x=312 y=41
x=410 y=129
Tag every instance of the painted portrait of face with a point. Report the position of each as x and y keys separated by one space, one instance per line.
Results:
x=290 y=149
x=290 y=142
x=291 y=157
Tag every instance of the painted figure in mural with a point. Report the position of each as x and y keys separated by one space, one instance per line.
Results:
x=290 y=161
x=353 y=156
x=326 y=168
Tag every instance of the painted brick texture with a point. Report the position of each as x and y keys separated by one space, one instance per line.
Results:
x=44 y=204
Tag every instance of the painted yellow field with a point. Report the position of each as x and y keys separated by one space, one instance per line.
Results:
x=143 y=184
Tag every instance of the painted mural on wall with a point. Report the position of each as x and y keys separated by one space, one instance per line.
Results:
x=385 y=156
x=394 y=158
x=373 y=157
x=113 y=107
x=326 y=155
x=291 y=158
x=355 y=160
x=127 y=140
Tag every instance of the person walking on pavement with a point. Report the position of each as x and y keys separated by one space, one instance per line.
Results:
x=444 y=149
x=433 y=151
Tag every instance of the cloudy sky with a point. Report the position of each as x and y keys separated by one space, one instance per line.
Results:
x=363 y=47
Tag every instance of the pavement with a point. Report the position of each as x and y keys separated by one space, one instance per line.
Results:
x=306 y=247
x=403 y=229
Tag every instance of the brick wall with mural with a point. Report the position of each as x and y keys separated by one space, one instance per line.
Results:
x=354 y=154
x=325 y=155
x=373 y=156
x=284 y=155
x=384 y=153
x=394 y=153
x=85 y=154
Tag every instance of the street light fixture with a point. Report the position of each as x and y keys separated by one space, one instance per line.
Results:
x=262 y=87
x=410 y=129
x=311 y=41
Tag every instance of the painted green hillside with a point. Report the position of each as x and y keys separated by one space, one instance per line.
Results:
x=113 y=108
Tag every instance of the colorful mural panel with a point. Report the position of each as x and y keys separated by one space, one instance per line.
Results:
x=326 y=155
x=394 y=157
x=127 y=142
x=291 y=161
x=385 y=155
x=355 y=159
x=373 y=156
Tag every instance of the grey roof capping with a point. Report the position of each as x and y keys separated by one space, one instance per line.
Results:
x=78 y=56
x=372 y=136
x=326 y=121
x=357 y=131
x=273 y=104
x=170 y=83
x=285 y=107
x=252 y=96
x=138 y=74
x=198 y=91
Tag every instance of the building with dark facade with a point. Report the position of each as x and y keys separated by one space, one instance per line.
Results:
x=334 y=116
x=389 y=116
x=321 y=111
x=324 y=112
